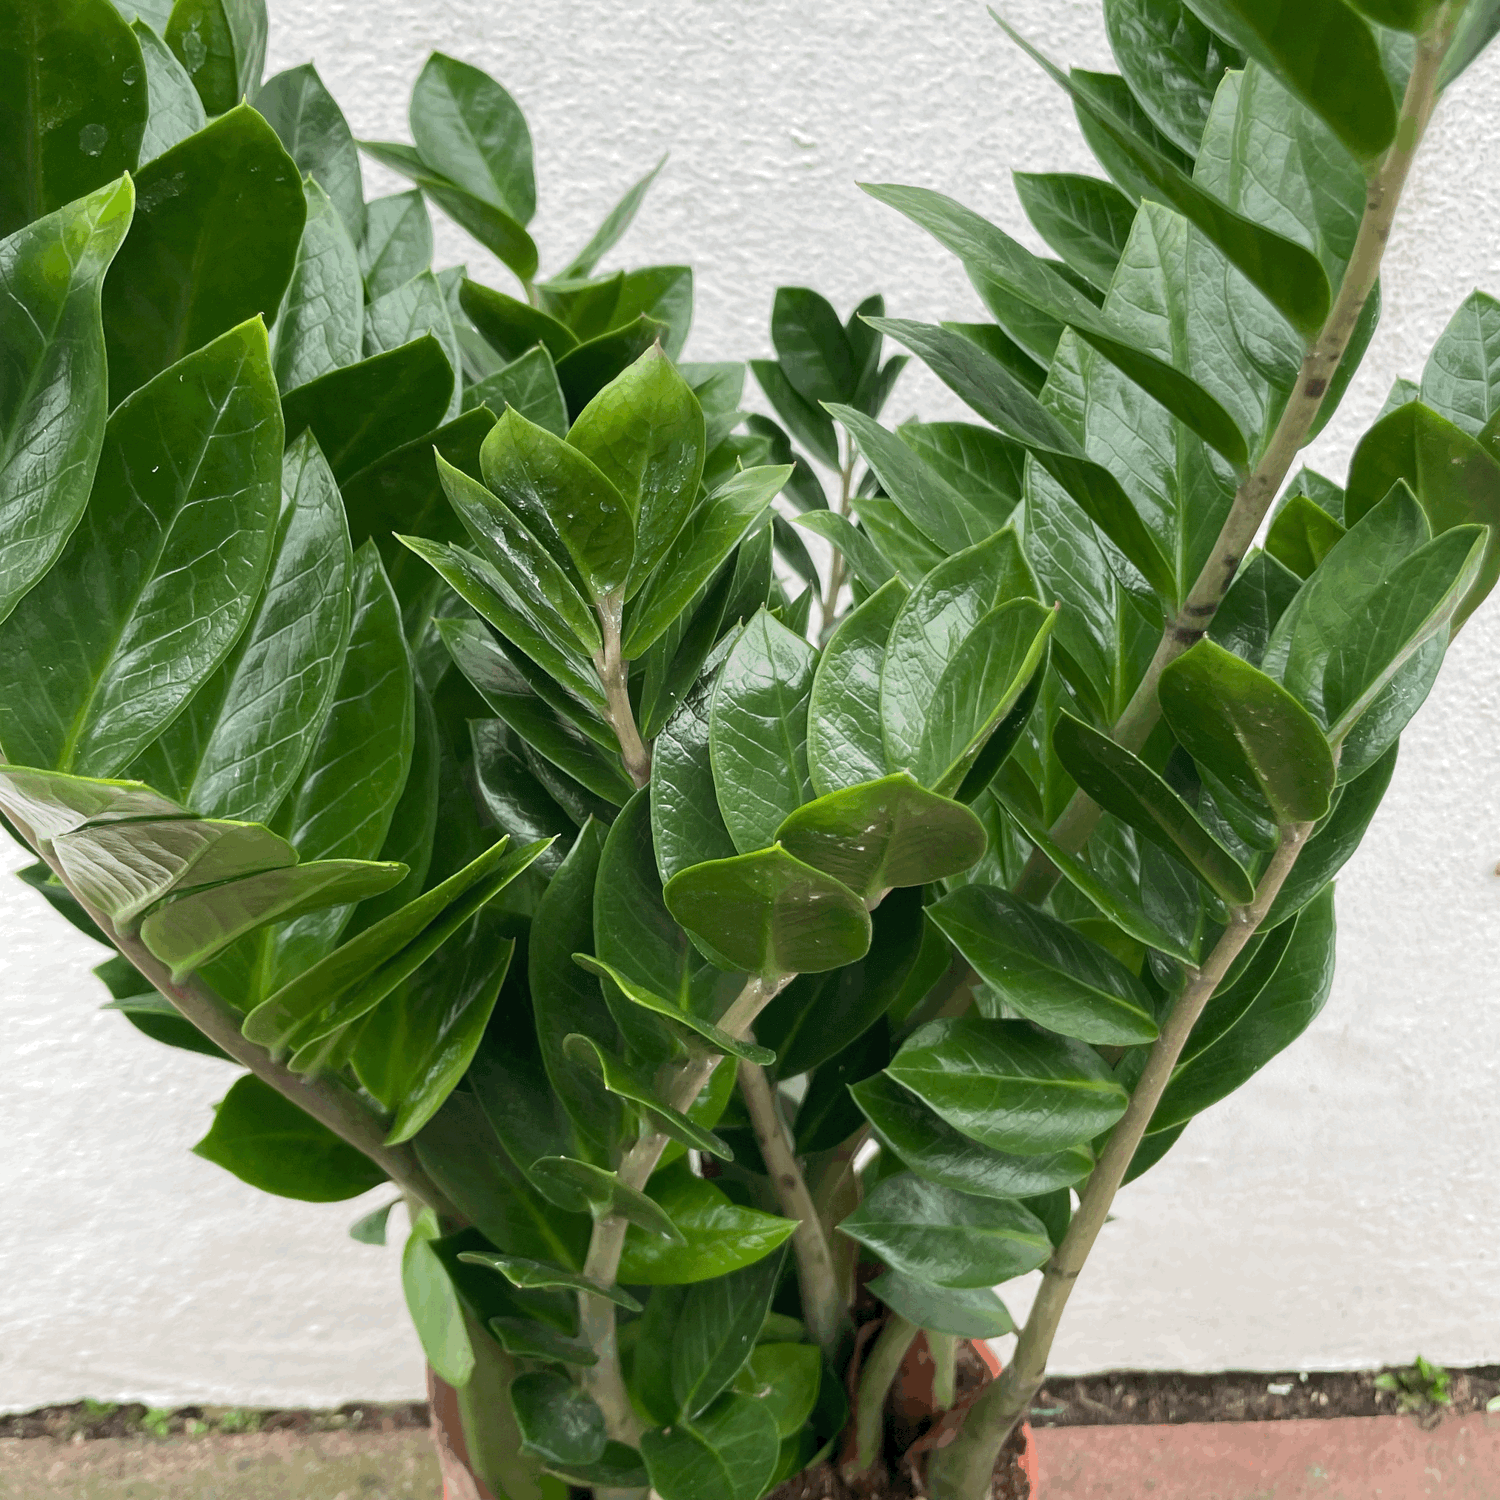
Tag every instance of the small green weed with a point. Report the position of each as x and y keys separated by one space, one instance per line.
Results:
x=236 y=1419
x=158 y=1421
x=1417 y=1389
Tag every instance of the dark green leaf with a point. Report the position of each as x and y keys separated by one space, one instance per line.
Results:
x=1084 y=219
x=320 y=327
x=159 y=1020
x=558 y=1422
x=222 y=44
x=809 y=424
x=52 y=402
x=530 y=385
x=499 y=232
x=1127 y=787
x=586 y=370
x=1302 y=534
x=828 y=1116
x=768 y=913
x=813 y=349
x=176 y=110
x=716 y=1333
x=863 y=557
x=1008 y=1086
x=316 y=135
x=528 y=1340
x=110 y=648
x=524 y=1273
x=397 y=243
x=1325 y=54
x=730 y=1452
x=364 y=411
x=946 y=1237
x=472 y=132
x=73 y=105
x=935 y=1150
x=434 y=1306
x=1045 y=970
x=217 y=224
x=265 y=1140
x=785 y=1379
x=1249 y=731
x=973 y=1314
x=512 y=327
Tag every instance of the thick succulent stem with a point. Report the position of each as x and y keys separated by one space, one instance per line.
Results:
x=1253 y=499
x=875 y=1378
x=962 y=1470
x=822 y=1304
x=614 y=678
x=324 y=1098
x=828 y=607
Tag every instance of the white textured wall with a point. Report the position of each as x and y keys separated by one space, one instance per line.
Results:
x=1343 y=1209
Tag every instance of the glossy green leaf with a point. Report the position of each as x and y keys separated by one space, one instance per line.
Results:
x=716 y=1332
x=812 y=346
x=558 y=1422
x=809 y=424
x=768 y=913
x=946 y=1237
x=863 y=558
x=1325 y=54
x=1461 y=380
x=1249 y=731
x=434 y=1306
x=110 y=648
x=73 y=86
x=517 y=555
x=758 y=731
x=1172 y=62
x=320 y=327
x=1127 y=787
x=471 y=131
x=1084 y=219
x=362 y=412
x=972 y=1314
x=644 y=432
x=176 y=110
x=524 y=1273
x=530 y=385
x=719 y=1236
x=266 y=1141
x=730 y=1451
x=614 y=225
x=1045 y=970
x=528 y=1340
x=214 y=241
x=998 y=396
x=882 y=834
x=934 y=1150
x=686 y=825
x=397 y=243
x=222 y=44
x=316 y=135
x=414 y=310
x=1008 y=1086
x=785 y=1378
x=1302 y=534
x=995 y=255
x=584 y=1188
x=562 y=497
x=52 y=401
x=1289 y=276
x=1455 y=478
x=716 y=526
x=51 y=804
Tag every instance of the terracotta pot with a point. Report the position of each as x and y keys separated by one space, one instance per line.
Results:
x=459 y=1482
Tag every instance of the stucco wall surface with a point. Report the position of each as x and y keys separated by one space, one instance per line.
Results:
x=1341 y=1210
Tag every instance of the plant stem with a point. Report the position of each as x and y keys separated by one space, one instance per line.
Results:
x=604 y=1380
x=944 y=1349
x=828 y=607
x=1253 y=498
x=822 y=1305
x=875 y=1380
x=614 y=678
x=962 y=1470
x=326 y=1099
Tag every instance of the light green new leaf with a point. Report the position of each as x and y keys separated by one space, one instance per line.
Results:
x=785 y=1379
x=1325 y=54
x=50 y=804
x=758 y=731
x=266 y=1141
x=948 y=1238
x=433 y=1303
x=320 y=327
x=644 y=432
x=397 y=243
x=73 y=104
x=768 y=913
x=563 y=498
x=1127 y=787
x=52 y=401
x=1045 y=970
x=1249 y=731
x=935 y=1150
x=237 y=748
x=469 y=130
x=1301 y=535
x=729 y=1452
x=1009 y=1086
x=718 y=524
x=719 y=1236
x=101 y=657
x=883 y=834
x=316 y=135
x=581 y=1187
x=214 y=240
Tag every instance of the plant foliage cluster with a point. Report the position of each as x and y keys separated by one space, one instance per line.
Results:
x=401 y=677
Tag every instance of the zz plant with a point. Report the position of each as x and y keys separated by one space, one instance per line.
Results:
x=408 y=698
